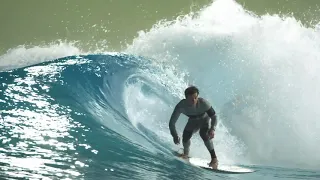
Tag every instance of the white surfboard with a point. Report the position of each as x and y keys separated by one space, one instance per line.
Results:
x=221 y=167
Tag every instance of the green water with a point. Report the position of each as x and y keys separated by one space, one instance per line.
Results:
x=110 y=24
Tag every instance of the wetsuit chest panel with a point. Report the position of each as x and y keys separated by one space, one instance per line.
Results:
x=197 y=111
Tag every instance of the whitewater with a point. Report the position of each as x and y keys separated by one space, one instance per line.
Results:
x=71 y=114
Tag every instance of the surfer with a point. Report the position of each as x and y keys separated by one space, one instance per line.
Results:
x=199 y=112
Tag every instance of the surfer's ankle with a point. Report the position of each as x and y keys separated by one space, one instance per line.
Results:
x=186 y=151
x=214 y=163
x=214 y=160
x=184 y=156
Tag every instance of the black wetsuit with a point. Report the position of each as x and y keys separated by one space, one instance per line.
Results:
x=199 y=118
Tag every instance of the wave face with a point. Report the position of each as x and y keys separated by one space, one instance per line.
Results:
x=77 y=114
x=261 y=73
x=67 y=115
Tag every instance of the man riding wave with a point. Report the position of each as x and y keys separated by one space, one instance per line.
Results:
x=200 y=112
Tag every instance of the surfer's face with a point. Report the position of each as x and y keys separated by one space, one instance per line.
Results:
x=192 y=99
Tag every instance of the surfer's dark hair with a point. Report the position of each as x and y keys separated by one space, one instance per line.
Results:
x=191 y=90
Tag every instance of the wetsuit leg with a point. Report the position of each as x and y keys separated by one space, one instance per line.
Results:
x=190 y=128
x=207 y=141
x=187 y=134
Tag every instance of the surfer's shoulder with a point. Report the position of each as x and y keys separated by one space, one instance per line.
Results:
x=181 y=103
x=204 y=103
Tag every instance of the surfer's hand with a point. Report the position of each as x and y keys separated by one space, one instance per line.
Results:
x=211 y=133
x=176 y=140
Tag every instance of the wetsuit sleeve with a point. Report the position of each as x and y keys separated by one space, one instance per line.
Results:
x=211 y=113
x=174 y=117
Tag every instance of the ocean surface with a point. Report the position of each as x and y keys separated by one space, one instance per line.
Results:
x=77 y=106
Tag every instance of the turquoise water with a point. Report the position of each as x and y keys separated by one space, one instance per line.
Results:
x=71 y=114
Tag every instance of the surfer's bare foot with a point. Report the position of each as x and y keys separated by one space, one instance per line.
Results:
x=184 y=156
x=214 y=163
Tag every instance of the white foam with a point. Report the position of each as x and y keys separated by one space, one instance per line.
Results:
x=22 y=56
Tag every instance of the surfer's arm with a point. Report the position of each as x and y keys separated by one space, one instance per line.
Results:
x=212 y=114
x=172 y=123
